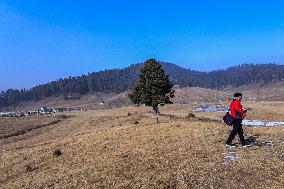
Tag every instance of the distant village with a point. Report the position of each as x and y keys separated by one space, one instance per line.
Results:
x=41 y=111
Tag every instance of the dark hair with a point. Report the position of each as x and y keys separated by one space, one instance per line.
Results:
x=238 y=94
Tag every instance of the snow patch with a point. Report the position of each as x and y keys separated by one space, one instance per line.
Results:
x=211 y=108
x=262 y=123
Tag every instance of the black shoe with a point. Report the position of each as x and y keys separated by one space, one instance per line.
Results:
x=231 y=145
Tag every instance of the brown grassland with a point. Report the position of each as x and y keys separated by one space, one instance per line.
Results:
x=114 y=149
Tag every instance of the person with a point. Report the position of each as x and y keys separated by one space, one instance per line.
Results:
x=238 y=114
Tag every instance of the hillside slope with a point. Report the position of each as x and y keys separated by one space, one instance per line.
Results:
x=120 y=80
x=183 y=95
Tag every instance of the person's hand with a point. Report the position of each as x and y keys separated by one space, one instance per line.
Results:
x=245 y=114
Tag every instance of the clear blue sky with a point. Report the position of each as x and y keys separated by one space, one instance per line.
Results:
x=42 y=40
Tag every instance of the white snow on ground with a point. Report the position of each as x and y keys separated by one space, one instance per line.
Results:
x=211 y=108
x=262 y=123
x=232 y=157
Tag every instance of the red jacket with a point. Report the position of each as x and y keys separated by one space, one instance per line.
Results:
x=236 y=109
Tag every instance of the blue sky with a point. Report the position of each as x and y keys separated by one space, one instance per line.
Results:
x=43 y=40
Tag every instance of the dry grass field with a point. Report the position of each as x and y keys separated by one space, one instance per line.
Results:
x=114 y=149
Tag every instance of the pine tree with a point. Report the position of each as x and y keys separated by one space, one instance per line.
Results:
x=154 y=87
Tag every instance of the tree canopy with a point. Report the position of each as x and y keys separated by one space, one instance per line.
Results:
x=154 y=87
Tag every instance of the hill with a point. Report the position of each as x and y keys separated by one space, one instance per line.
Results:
x=183 y=95
x=120 y=80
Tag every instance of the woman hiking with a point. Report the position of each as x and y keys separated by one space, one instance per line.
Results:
x=238 y=114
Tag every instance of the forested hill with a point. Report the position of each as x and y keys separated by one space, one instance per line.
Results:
x=119 y=80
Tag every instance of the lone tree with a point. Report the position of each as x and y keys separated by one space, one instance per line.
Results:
x=154 y=87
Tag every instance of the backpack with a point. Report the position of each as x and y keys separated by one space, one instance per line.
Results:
x=228 y=119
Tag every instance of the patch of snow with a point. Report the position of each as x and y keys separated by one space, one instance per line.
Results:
x=262 y=123
x=211 y=108
x=232 y=157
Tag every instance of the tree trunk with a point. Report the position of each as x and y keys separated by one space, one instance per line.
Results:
x=157 y=116
x=156 y=109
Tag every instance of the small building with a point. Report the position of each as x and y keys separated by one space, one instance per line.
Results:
x=8 y=114
x=72 y=97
